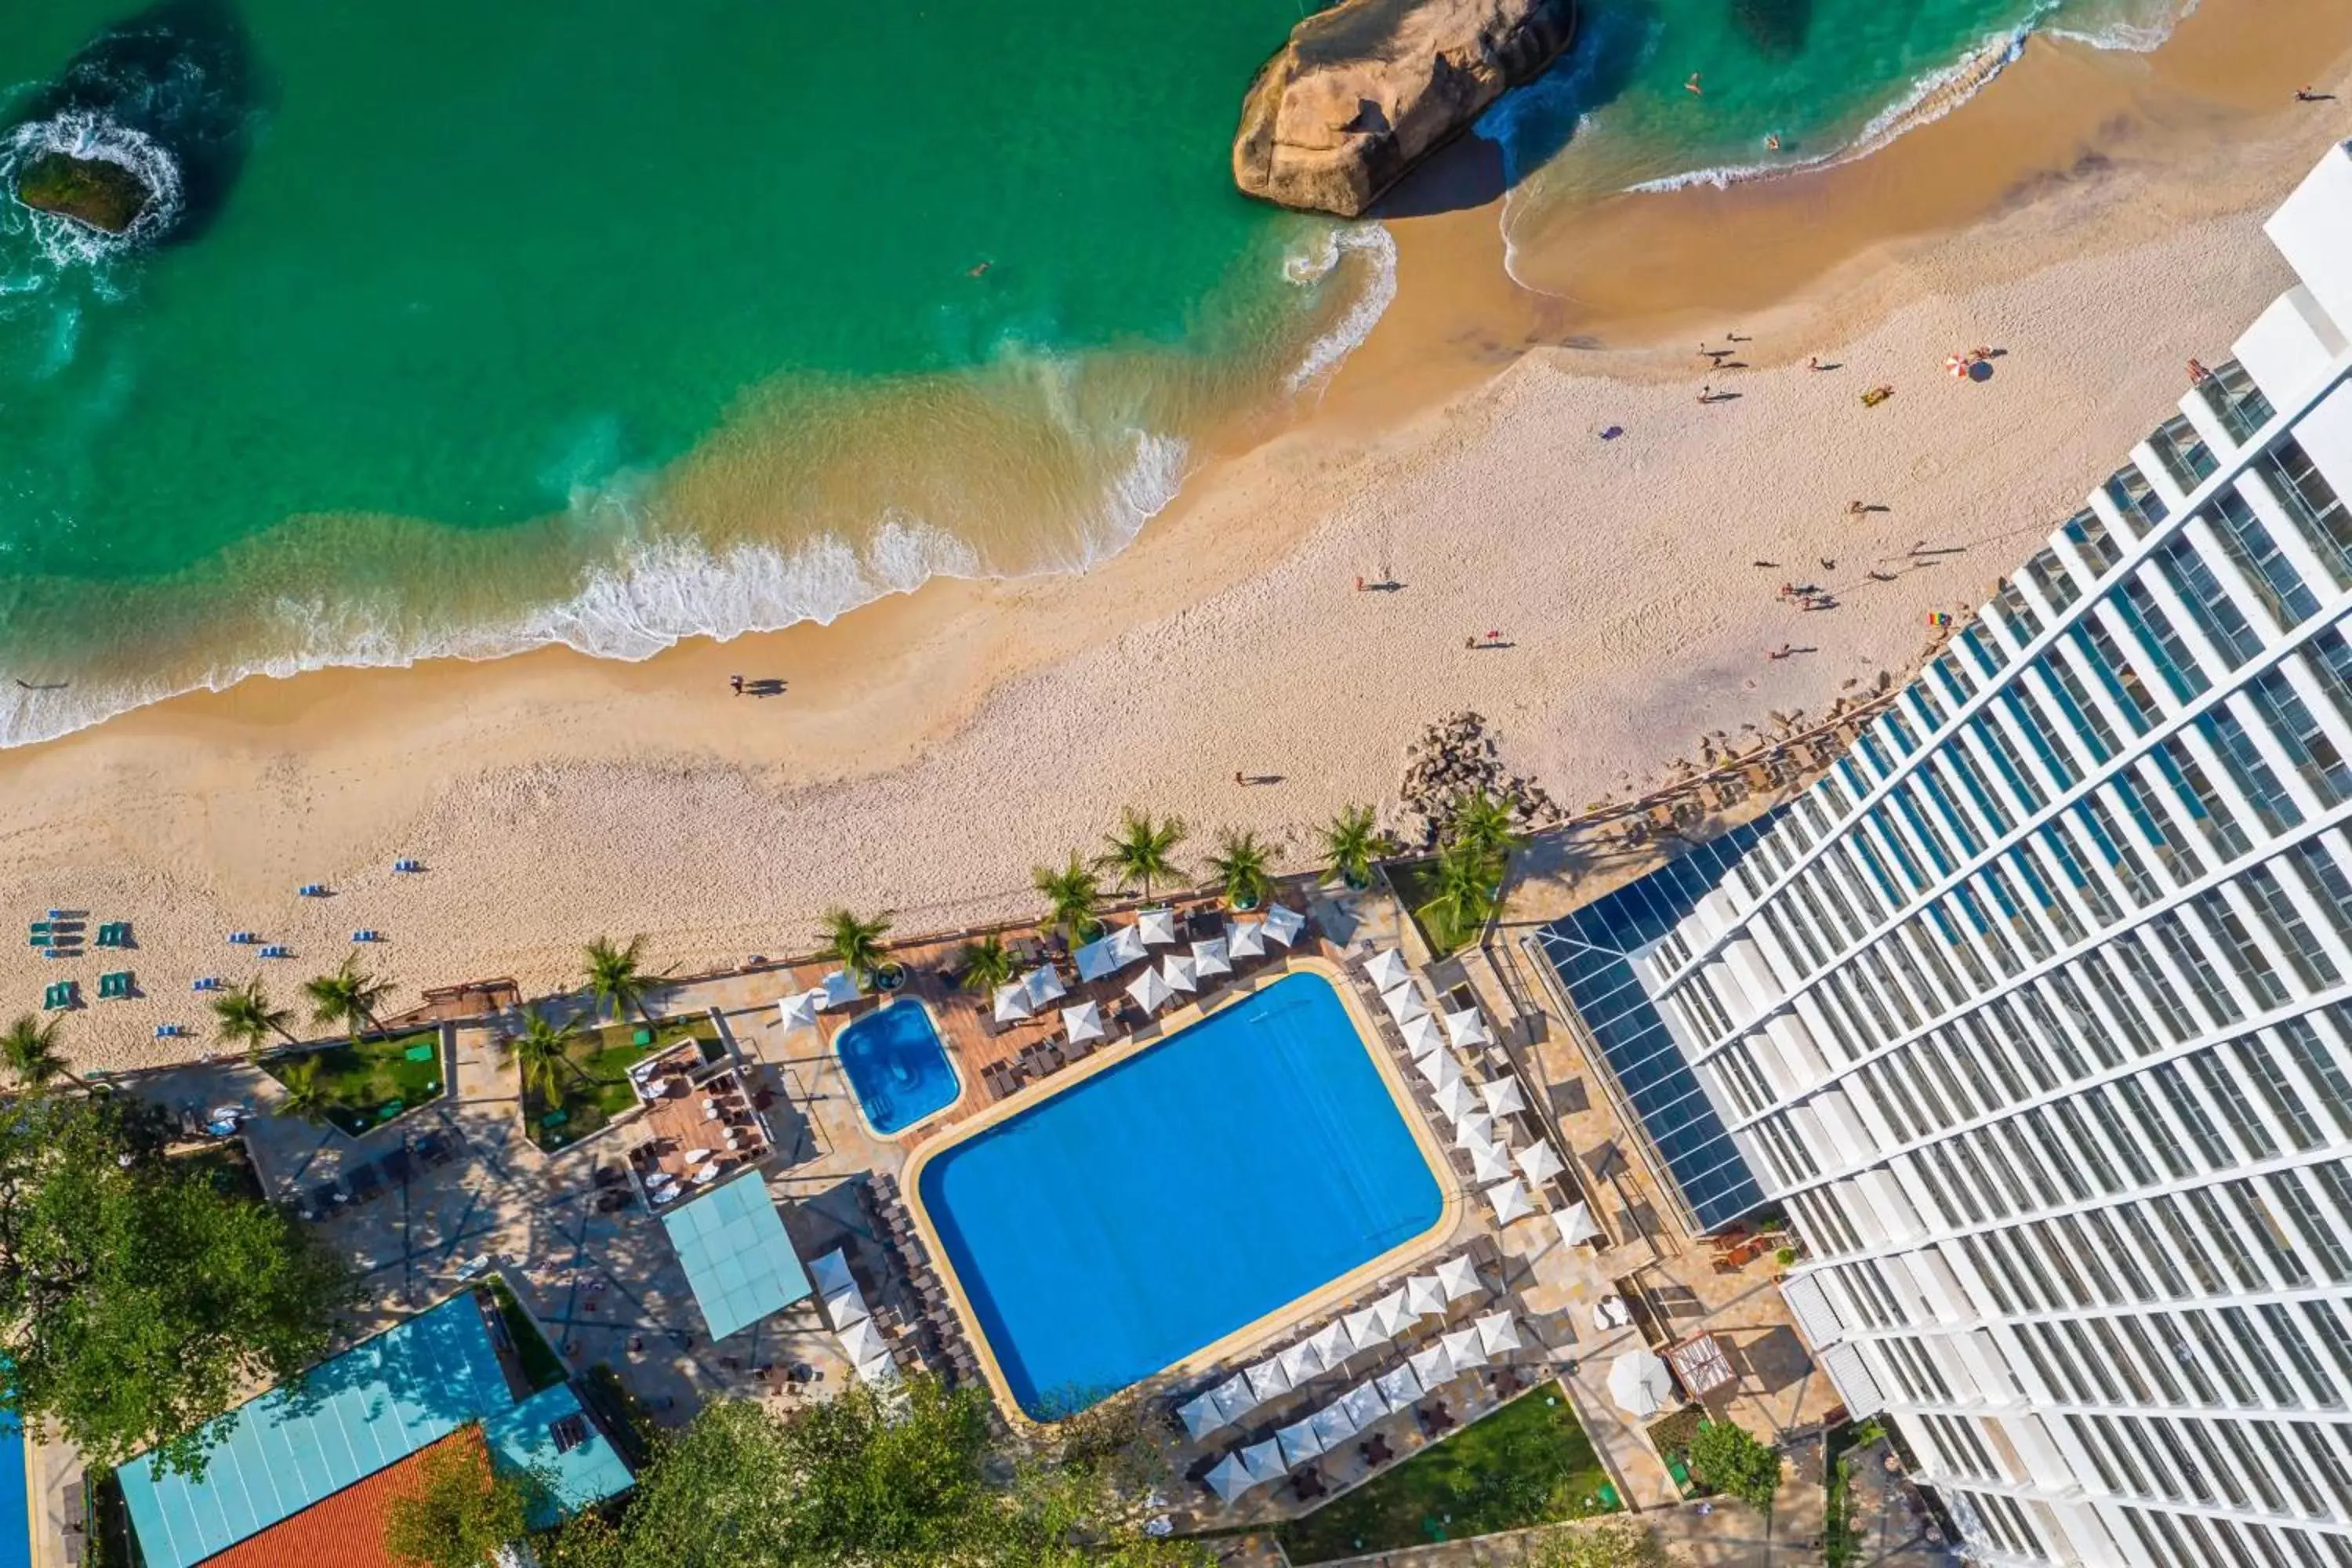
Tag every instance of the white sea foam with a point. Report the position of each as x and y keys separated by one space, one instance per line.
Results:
x=1371 y=241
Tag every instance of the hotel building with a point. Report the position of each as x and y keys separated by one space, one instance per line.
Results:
x=2036 y=1013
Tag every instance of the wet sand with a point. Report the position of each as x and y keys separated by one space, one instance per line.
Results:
x=2097 y=217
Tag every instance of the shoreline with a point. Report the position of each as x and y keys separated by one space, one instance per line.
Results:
x=931 y=748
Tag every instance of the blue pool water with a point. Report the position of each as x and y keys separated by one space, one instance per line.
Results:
x=1154 y=1208
x=16 y=1507
x=897 y=1067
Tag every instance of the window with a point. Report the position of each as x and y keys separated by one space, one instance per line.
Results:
x=2136 y=499
x=2269 y=574
x=2085 y=719
x=2208 y=604
x=2247 y=958
x=2243 y=761
x=2288 y=929
x=2037 y=729
x=2322 y=1237
x=568 y=1433
x=2106 y=660
x=2181 y=452
x=2200 y=799
x=2299 y=735
x=2284 y=1101
x=2165 y=648
x=2086 y=530
x=2009 y=608
x=2311 y=504
x=2050 y=578
x=2189 y=957
x=2156 y=826
x=2235 y=401
x=2007 y=760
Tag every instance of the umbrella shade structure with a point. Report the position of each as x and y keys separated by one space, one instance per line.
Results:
x=1084 y=1023
x=1149 y=990
x=1539 y=1164
x=1366 y=1330
x=1209 y=957
x=1177 y=970
x=1640 y=1384
x=1013 y=1002
x=1097 y=958
x=839 y=990
x=1701 y=1365
x=1388 y=969
x=1233 y=1396
x=1334 y=1424
x=1299 y=1444
x=798 y=1011
x=881 y=1372
x=1282 y=925
x=1492 y=1163
x=1425 y=1295
x=1044 y=985
x=1432 y=1367
x=1230 y=1478
x=861 y=1342
x=1455 y=1100
x=1363 y=1405
x=1510 y=1201
x=1267 y=1381
x=1396 y=1312
x=1404 y=1002
x=1299 y=1363
x=1498 y=1333
x=845 y=1308
x=1460 y=1277
x=1399 y=1386
x=1156 y=927
x=1420 y=1037
x=1331 y=1343
x=830 y=1274
x=1468 y=1028
x=1126 y=946
x=1474 y=1131
x=1201 y=1415
x=1440 y=1069
x=1576 y=1223
x=1263 y=1460
x=1502 y=1096
x=1246 y=939
x=1464 y=1350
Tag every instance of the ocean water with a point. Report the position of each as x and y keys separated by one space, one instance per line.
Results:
x=468 y=328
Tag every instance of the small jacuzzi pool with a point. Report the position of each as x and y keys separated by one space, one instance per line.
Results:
x=898 y=1065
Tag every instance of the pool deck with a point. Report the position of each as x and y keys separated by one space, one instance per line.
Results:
x=1317 y=1302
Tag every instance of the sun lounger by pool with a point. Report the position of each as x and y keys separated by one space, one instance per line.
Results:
x=277 y=949
x=407 y=865
x=116 y=933
x=61 y=994
x=115 y=987
x=242 y=939
x=365 y=1184
x=367 y=935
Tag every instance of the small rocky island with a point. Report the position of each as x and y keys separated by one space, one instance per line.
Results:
x=1366 y=89
x=105 y=196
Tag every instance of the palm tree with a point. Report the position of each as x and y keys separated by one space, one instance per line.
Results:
x=984 y=966
x=1140 y=850
x=347 y=997
x=29 y=1050
x=542 y=1055
x=303 y=1097
x=1352 y=843
x=1071 y=897
x=1240 y=864
x=1466 y=877
x=1485 y=822
x=617 y=977
x=245 y=1017
x=857 y=944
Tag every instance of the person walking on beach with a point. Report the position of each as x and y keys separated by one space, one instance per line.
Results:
x=736 y=682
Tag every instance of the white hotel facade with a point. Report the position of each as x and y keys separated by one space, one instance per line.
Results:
x=2036 y=1013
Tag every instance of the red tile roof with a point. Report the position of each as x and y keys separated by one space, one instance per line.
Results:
x=345 y=1531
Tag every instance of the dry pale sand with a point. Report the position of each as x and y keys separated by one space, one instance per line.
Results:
x=929 y=749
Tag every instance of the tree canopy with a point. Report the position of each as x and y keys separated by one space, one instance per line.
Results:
x=1607 y=1543
x=139 y=1298
x=1733 y=1460
x=461 y=1509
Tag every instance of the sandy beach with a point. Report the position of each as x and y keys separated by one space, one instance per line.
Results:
x=2096 y=219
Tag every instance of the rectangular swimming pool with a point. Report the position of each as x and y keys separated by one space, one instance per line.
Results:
x=1149 y=1210
x=897 y=1067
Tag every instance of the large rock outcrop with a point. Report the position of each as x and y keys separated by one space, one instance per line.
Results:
x=1365 y=91
x=107 y=196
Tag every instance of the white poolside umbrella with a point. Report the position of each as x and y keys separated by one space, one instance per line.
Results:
x=798 y=1011
x=1431 y=1366
x=1396 y=1312
x=1299 y=1444
x=1425 y=1295
x=1420 y=1037
x=1399 y=1386
x=1576 y=1223
x=1334 y=1424
x=1156 y=927
x=1209 y=957
x=1267 y=1381
x=879 y=1371
x=839 y=990
x=1364 y=1404
x=1464 y=1350
x=1263 y=1461
x=1460 y=1277
x=1366 y=1330
x=1510 y=1200
x=1403 y=1003
x=1233 y=1396
x=1283 y=925
x=1084 y=1023
x=1013 y=1002
x=1492 y=1163
x=1440 y=1069
x=1177 y=970
x=1044 y=985
x=1498 y=1333
x=1455 y=1100
x=1299 y=1363
x=1468 y=1028
x=1150 y=991
x=862 y=1342
x=831 y=1274
x=1502 y=1096
x=1539 y=1164
x=1126 y=946
x=1474 y=1131
x=1333 y=1344
x=1230 y=1479
x=1640 y=1384
x=1201 y=1415
x=845 y=1308
x=1246 y=939
x=1097 y=958
x=1388 y=969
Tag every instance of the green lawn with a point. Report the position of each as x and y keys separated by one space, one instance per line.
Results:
x=600 y=1090
x=1529 y=1463
x=369 y=1082
x=541 y=1367
x=1416 y=885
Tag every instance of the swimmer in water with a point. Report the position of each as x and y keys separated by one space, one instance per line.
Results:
x=980 y=271
x=1692 y=86
x=1771 y=143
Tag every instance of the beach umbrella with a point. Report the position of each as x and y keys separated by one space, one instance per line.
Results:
x=1263 y=1461
x=1404 y=1002
x=1492 y=1163
x=1097 y=958
x=1299 y=1363
x=845 y=1308
x=1044 y=985
x=1246 y=939
x=1267 y=1381
x=1576 y=1223
x=1283 y=925
x=1396 y=1312
x=1149 y=991
x=1502 y=1096
x=1156 y=927
x=1299 y=1444
x=1510 y=1200
x=1399 y=1386
x=1233 y=1396
x=1425 y=1295
x=1334 y=1425
x=1126 y=946
x=798 y=1011
x=1474 y=1131
x=879 y=1371
x=1459 y=1276
x=831 y=1274
x=1365 y=1331
x=1464 y=1350
x=1230 y=1479
x=1333 y=1344
x=1084 y=1021
x=839 y=990
x=1640 y=1384
x=1209 y=957
x=1388 y=969
x=1420 y=1037
x=1468 y=1028
x=1440 y=1069
x=862 y=1342
x=1202 y=1414
x=1177 y=970
x=1013 y=1002
x=1539 y=1164
x=1498 y=1332
x=1456 y=1101
x=1363 y=1405
x=1432 y=1367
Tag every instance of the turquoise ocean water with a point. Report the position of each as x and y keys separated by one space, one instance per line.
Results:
x=615 y=322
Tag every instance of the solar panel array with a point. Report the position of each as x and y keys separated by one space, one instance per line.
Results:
x=737 y=1258
x=1590 y=950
